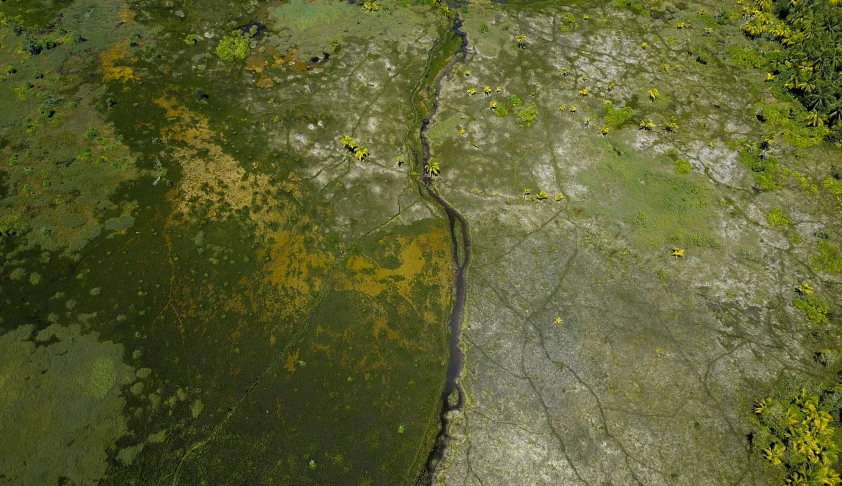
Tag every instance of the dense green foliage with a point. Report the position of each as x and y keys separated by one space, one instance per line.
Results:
x=810 y=62
x=527 y=115
x=798 y=434
x=683 y=166
x=233 y=46
x=815 y=308
x=829 y=259
x=765 y=169
x=777 y=217
x=615 y=117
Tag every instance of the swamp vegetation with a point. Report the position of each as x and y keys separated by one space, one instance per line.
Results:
x=406 y=241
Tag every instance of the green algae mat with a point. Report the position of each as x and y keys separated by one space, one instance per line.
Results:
x=411 y=242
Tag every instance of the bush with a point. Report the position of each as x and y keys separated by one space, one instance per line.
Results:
x=766 y=173
x=527 y=115
x=776 y=217
x=815 y=308
x=829 y=260
x=833 y=185
x=683 y=166
x=616 y=117
x=233 y=46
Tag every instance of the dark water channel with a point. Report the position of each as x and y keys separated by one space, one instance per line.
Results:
x=452 y=396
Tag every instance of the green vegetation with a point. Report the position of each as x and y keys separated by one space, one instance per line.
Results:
x=798 y=434
x=764 y=168
x=816 y=309
x=776 y=217
x=432 y=168
x=527 y=115
x=233 y=46
x=828 y=260
x=635 y=7
x=808 y=61
x=568 y=22
x=790 y=121
x=615 y=117
x=683 y=166
x=833 y=185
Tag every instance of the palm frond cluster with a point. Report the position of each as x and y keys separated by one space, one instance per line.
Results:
x=810 y=61
x=350 y=145
x=798 y=433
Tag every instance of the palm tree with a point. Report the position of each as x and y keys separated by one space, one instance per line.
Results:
x=360 y=153
x=521 y=41
x=653 y=93
x=647 y=124
x=834 y=113
x=347 y=141
x=432 y=168
x=814 y=119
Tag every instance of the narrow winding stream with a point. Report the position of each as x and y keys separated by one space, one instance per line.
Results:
x=452 y=396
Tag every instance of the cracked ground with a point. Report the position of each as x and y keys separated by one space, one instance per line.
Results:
x=594 y=355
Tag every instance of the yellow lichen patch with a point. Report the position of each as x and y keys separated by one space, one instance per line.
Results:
x=213 y=169
x=292 y=358
x=126 y=14
x=265 y=82
x=288 y=60
x=420 y=263
x=295 y=268
x=368 y=277
x=109 y=58
x=256 y=63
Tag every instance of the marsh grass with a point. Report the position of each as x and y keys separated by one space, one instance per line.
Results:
x=300 y=16
x=655 y=204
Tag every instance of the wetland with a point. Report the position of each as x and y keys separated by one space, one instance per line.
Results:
x=416 y=242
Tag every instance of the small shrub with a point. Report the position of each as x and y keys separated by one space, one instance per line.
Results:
x=527 y=115
x=233 y=46
x=815 y=308
x=828 y=260
x=766 y=173
x=615 y=117
x=776 y=217
x=833 y=185
x=683 y=166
